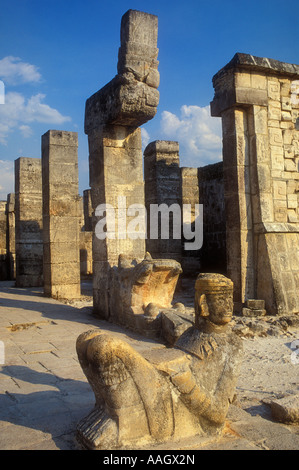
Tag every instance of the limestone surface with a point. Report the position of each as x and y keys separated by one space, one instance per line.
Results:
x=28 y=222
x=112 y=119
x=259 y=109
x=61 y=214
x=167 y=393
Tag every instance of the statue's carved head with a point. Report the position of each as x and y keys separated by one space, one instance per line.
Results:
x=213 y=299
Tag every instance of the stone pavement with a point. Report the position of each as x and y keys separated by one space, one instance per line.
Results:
x=43 y=392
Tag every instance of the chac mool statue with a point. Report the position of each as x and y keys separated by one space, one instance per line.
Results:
x=166 y=393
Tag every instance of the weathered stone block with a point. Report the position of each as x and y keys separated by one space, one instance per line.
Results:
x=277 y=157
x=273 y=90
x=290 y=165
x=286 y=410
x=258 y=80
x=279 y=189
x=274 y=110
x=292 y=201
x=250 y=312
x=255 y=304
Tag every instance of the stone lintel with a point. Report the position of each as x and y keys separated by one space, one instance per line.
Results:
x=162 y=146
x=121 y=102
x=276 y=227
x=64 y=138
x=259 y=64
x=229 y=93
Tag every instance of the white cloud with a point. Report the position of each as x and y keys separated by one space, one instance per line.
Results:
x=145 y=137
x=7 y=178
x=18 y=112
x=198 y=134
x=26 y=131
x=14 y=71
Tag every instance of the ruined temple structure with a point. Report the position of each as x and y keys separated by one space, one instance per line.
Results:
x=257 y=99
x=164 y=393
x=250 y=200
x=248 y=263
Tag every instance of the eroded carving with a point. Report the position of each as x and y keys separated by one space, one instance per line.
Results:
x=164 y=393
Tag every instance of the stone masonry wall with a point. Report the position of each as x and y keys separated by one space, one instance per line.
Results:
x=257 y=100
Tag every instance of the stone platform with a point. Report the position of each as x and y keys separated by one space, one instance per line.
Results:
x=43 y=392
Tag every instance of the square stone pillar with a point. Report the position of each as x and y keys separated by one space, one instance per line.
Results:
x=29 y=223
x=116 y=179
x=211 y=195
x=257 y=99
x=112 y=119
x=11 y=238
x=61 y=214
x=3 y=242
x=87 y=210
x=163 y=186
x=190 y=196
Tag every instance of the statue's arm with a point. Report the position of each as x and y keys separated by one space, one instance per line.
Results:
x=211 y=405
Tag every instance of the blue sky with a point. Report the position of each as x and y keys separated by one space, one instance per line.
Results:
x=55 y=54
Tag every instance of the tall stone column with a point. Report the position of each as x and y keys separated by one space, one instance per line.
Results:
x=61 y=214
x=29 y=223
x=11 y=238
x=163 y=186
x=87 y=210
x=3 y=242
x=112 y=119
x=190 y=197
x=257 y=99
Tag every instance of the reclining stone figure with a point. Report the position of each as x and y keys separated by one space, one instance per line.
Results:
x=166 y=393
